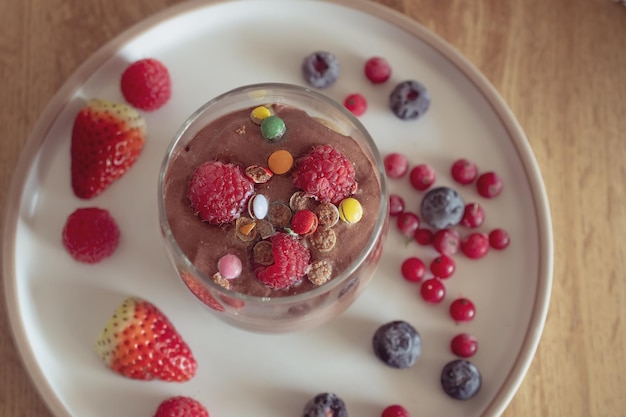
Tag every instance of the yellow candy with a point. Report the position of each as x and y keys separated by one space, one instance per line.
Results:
x=350 y=210
x=280 y=162
x=259 y=113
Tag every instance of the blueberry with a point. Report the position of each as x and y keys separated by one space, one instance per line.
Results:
x=325 y=404
x=397 y=344
x=409 y=100
x=320 y=69
x=442 y=207
x=460 y=379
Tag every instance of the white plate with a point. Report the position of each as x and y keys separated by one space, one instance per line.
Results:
x=57 y=306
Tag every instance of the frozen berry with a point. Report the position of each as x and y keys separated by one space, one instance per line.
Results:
x=446 y=241
x=473 y=216
x=291 y=262
x=181 y=406
x=475 y=245
x=499 y=239
x=407 y=223
x=377 y=70
x=90 y=234
x=325 y=404
x=433 y=291
x=413 y=269
x=395 y=410
x=442 y=266
x=320 y=69
x=442 y=207
x=460 y=379
x=325 y=173
x=219 y=192
x=397 y=344
x=146 y=84
x=489 y=185
x=409 y=100
x=422 y=176
x=464 y=171
x=462 y=309
x=396 y=165
x=396 y=204
x=423 y=236
x=464 y=345
x=356 y=103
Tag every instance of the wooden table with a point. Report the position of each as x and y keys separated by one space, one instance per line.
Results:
x=561 y=66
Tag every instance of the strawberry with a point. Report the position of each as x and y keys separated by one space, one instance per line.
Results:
x=107 y=139
x=146 y=84
x=181 y=406
x=139 y=342
x=90 y=234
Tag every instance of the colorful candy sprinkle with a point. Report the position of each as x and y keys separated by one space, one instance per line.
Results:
x=245 y=229
x=260 y=113
x=258 y=206
x=280 y=161
x=229 y=266
x=273 y=128
x=350 y=210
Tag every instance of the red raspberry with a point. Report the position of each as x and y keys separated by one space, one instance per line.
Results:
x=90 y=234
x=219 y=192
x=146 y=84
x=291 y=261
x=325 y=173
x=356 y=103
x=181 y=406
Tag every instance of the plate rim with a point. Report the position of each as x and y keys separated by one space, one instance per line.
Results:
x=63 y=95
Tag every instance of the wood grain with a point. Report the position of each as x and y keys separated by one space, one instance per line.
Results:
x=561 y=66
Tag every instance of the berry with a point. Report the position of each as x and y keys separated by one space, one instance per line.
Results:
x=499 y=239
x=107 y=139
x=396 y=165
x=442 y=267
x=413 y=269
x=423 y=236
x=464 y=171
x=325 y=173
x=397 y=344
x=422 y=176
x=407 y=223
x=325 y=404
x=219 y=192
x=396 y=204
x=409 y=100
x=377 y=70
x=446 y=241
x=291 y=261
x=462 y=309
x=433 y=291
x=320 y=69
x=464 y=345
x=442 y=207
x=395 y=411
x=356 y=103
x=90 y=235
x=460 y=379
x=181 y=406
x=489 y=185
x=473 y=216
x=139 y=342
x=475 y=245
x=146 y=84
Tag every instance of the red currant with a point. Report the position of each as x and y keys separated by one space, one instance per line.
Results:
x=407 y=223
x=499 y=239
x=413 y=269
x=462 y=309
x=464 y=345
x=475 y=245
x=464 y=171
x=396 y=204
x=446 y=241
x=433 y=291
x=377 y=70
x=356 y=103
x=473 y=216
x=396 y=165
x=395 y=411
x=423 y=236
x=422 y=176
x=442 y=267
x=489 y=185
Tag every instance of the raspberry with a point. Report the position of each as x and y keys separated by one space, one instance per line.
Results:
x=219 y=192
x=90 y=235
x=325 y=173
x=181 y=406
x=146 y=84
x=291 y=261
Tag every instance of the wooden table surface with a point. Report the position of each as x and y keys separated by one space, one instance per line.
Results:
x=560 y=65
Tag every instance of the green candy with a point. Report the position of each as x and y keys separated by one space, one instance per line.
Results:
x=273 y=128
